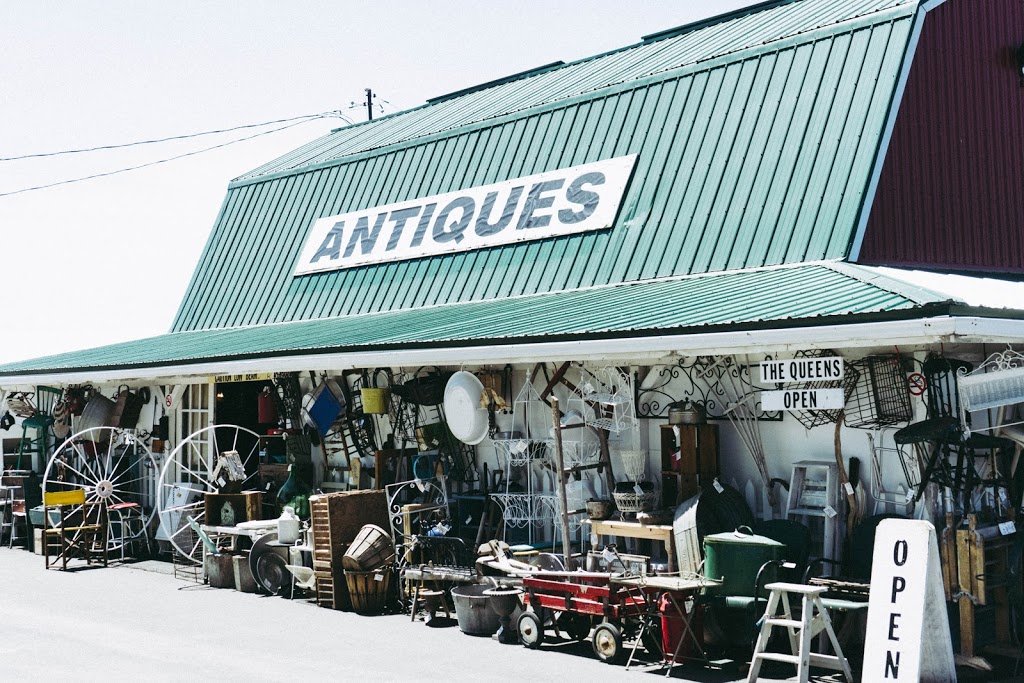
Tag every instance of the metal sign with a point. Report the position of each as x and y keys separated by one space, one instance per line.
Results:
x=802 y=370
x=564 y=202
x=803 y=399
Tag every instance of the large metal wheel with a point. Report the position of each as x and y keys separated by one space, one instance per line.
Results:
x=115 y=468
x=190 y=473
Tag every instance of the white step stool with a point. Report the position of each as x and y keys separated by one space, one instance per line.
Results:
x=814 y=619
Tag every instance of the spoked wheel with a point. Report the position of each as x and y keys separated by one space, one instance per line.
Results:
x=191 y=472
x=531 y=630
x=607 y=643
x=115 y=469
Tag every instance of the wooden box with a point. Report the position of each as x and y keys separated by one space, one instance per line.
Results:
x=338 y=517
x=228 y=509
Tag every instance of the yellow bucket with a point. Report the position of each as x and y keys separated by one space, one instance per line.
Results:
x=375 y=401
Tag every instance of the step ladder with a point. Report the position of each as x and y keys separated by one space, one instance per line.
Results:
x=814 y=501
x=813 y=620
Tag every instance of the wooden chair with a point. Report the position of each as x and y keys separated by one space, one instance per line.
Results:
x=81 y=528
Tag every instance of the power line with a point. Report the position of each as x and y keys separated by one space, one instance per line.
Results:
x=158 y=161
x=306 y=117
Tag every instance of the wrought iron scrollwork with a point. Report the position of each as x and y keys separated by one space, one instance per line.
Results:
x=698 y=379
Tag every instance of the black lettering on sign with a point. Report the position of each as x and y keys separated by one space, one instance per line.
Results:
x=899 y=553
x=365 y=236
x=332 y=243
x=899 y=584
x=892 y=665
x=575 y=194
x=484 y=227
x=400 y=218
x=536 y=200
x=455 y=228
x=893 y=625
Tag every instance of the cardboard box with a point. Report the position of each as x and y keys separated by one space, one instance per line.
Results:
x=228 y=509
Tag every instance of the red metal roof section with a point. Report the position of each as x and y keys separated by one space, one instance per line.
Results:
x=951 y=192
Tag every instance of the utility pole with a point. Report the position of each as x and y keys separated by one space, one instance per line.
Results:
x=369 y=105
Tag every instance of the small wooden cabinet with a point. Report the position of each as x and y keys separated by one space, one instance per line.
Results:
x=689 y=460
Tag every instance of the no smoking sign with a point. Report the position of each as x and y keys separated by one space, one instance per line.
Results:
x=917 y=383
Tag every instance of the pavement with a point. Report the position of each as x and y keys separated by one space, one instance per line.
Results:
x=137 y=620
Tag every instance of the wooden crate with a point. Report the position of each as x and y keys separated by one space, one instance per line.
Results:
x=336 y=518
x=244 y=506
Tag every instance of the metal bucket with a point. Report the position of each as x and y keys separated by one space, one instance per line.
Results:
x=220 y=571
x=375 y=401
x=473 y=610
x=734 y=558
x=98 y=412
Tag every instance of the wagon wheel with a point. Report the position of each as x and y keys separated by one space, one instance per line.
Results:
x=114 y=468
x=607 y=642
x=531 y=630
x=189 y=474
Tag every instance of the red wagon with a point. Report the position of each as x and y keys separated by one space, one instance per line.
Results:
x=574 y=601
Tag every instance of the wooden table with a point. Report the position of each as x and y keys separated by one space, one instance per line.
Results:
x=654 y=532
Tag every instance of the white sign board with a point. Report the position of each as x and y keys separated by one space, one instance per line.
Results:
x=907 y=637
x=803 y=399
x=563 y=202
x=802 y=370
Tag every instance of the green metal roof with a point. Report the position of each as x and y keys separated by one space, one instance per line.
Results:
x=803 y=294
x=756 y=135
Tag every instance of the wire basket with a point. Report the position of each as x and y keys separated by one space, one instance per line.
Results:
x=634 y=464
x=881 y=396
x=632 y=502
x=520 y=451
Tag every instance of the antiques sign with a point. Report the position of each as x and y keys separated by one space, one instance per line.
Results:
x=564 y=202
x=803 y=370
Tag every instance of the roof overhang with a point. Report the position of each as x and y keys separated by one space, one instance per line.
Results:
x=751 y=311
x=906 y=334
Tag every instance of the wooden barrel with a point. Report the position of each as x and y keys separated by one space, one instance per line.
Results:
x=368 y=591
x=371 y=549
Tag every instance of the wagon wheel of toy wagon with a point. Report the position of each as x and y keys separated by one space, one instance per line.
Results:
x=531 y=630
x=607 y=642
x=115 y=468
x=191 y=471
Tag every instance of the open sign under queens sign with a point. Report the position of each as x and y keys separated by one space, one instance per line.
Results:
x=563 y=202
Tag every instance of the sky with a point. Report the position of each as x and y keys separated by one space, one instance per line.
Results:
x=108 y=259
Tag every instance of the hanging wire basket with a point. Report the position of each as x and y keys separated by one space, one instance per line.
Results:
x=881 y=396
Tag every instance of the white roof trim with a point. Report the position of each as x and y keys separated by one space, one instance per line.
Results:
x=905 y=333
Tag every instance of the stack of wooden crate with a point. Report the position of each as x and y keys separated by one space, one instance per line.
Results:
x=336 y=518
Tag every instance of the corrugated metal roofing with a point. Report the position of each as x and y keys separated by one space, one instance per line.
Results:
x=755 y=138
x=702 y=303
x=950 y=191
x=750 y=28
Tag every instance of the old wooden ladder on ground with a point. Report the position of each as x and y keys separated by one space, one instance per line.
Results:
x=813 y=619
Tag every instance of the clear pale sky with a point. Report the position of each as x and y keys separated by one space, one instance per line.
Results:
x=108 y=260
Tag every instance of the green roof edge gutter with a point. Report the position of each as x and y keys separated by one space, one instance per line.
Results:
x=932 y=323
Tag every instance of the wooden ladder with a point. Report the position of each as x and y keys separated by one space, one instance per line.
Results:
x=813 y=620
